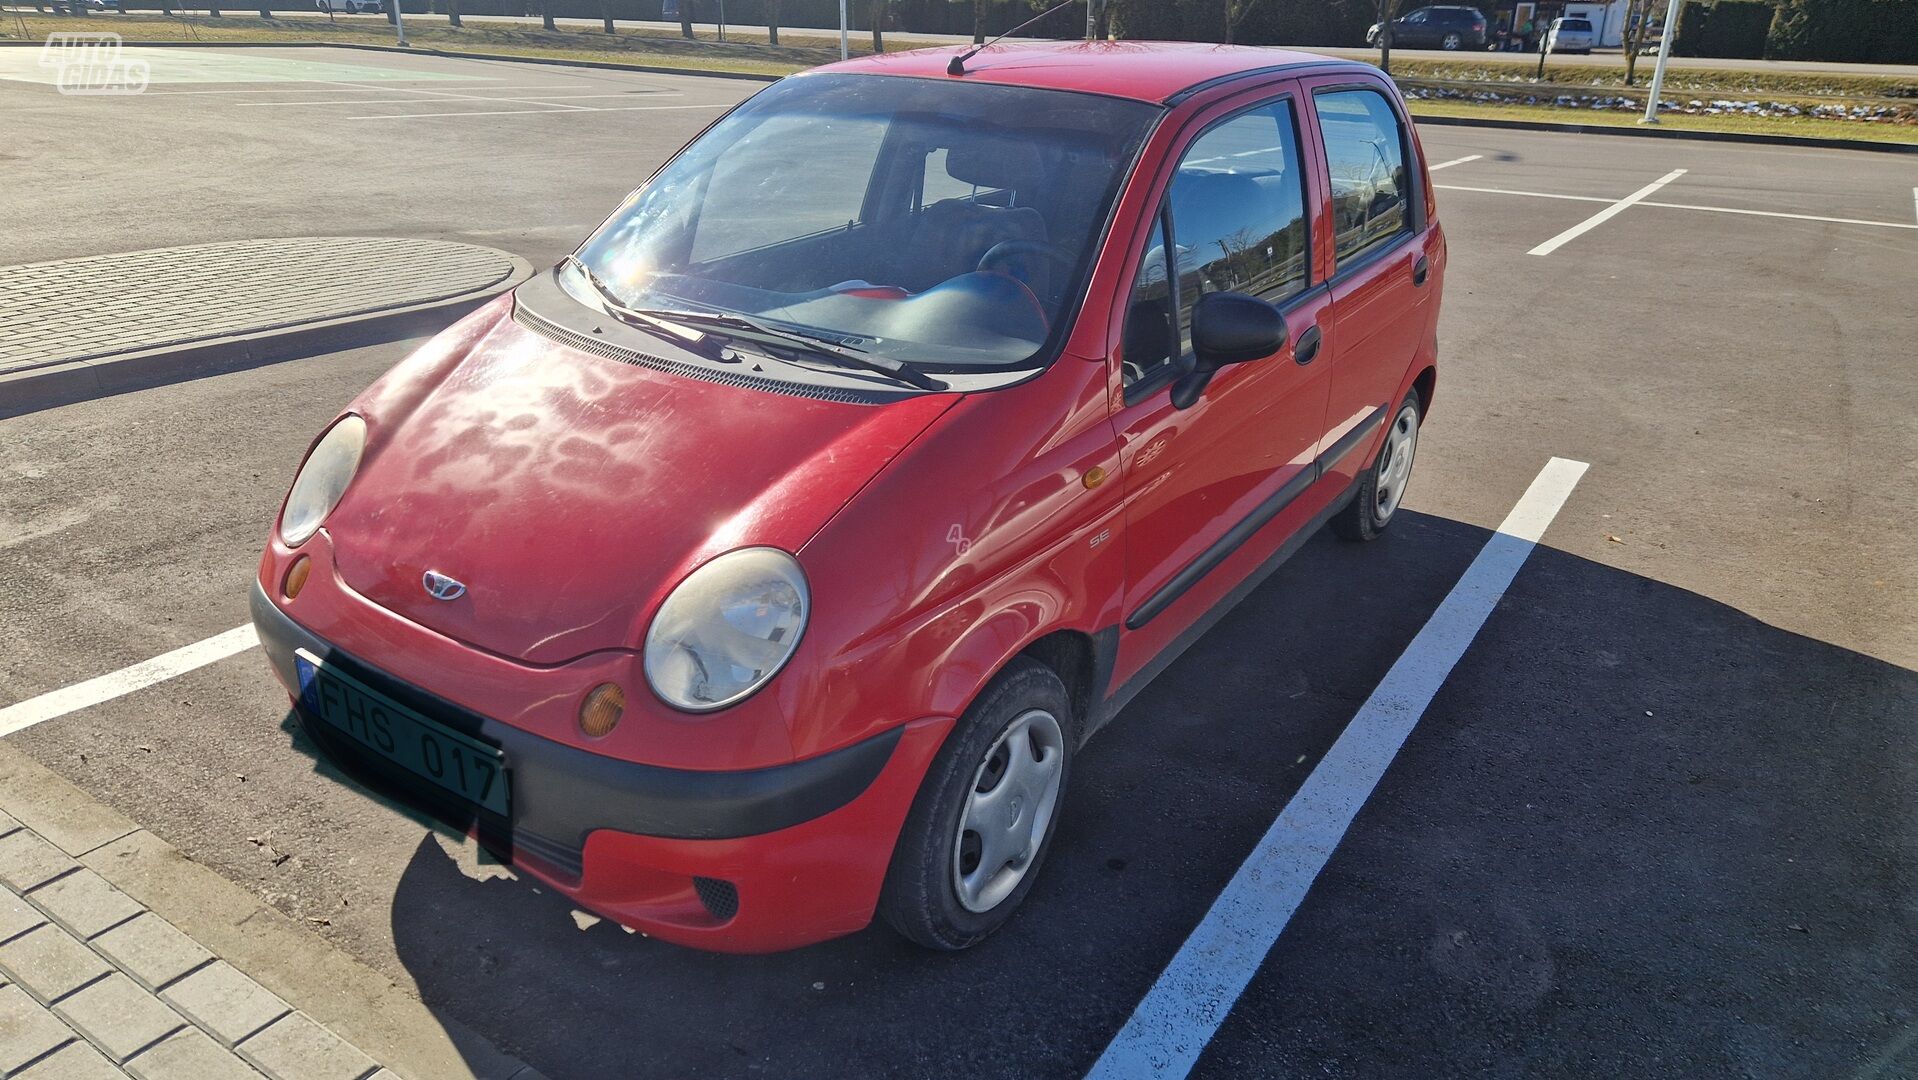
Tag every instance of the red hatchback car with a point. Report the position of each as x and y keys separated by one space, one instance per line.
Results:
x=760 y=567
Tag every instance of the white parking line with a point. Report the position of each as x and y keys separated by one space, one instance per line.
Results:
x=1604 y=215
x=555 y=110
x=299 y=86
x=1455 y=161
x=1914 y=200
x=165 y=666
x=1179 y=1015
x=1688 y=206
x=1533 y=194
x=412 y=101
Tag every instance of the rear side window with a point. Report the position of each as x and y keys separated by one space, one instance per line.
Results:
x=1365 y=154
x=1236 y=209
x=1576 y=24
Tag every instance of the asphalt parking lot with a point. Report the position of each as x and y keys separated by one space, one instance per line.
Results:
x=1656 y=821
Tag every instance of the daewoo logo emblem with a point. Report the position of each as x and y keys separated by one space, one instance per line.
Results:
x=441 y=587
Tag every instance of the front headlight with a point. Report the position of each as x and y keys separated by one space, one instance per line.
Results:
x=727 y=629
x=322 y=480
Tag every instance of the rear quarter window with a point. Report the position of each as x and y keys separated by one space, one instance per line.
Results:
x=1365 y=153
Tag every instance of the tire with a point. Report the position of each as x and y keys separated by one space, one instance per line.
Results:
x=929 y=896
x=1369 y=512
x=1451 y=42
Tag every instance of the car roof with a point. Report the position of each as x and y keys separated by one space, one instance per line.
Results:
x=1145 y=70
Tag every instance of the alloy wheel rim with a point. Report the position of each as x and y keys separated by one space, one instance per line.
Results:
x=1451 y=41
x=1014 y=793
x=1395 y=463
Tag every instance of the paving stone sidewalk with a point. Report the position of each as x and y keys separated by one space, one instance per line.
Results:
x=93 y=986
x=82 y=310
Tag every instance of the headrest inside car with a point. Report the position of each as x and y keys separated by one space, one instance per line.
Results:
x=993 y=163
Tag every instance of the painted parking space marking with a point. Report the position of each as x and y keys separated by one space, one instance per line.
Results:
x=338 y=89
x=57 y=703
x=556 y=110
x=1688 y=206
x=1604 y=215
x=176 y=66
x=1180 y=1013
x=1454 y=161
x=542 y=100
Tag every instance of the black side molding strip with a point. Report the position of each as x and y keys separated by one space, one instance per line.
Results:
x=1350 y=440
x=1274 y=504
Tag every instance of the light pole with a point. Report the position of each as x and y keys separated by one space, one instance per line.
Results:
x=1665 y=35
x=399 y=23
x=842 y=30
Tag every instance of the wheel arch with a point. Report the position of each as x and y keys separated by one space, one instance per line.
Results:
x=1426 y=384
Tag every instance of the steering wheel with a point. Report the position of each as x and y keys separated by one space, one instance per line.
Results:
x=1012 y=249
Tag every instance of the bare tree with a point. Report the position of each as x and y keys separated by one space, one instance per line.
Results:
x=1388 y=11
x=606 y=15
x=979 y=21
x=545 y=14
x=686 y=19
x=453 y=13
x=1235 y=13
x=772 y=22
x=878 y=26
x=1638 y=16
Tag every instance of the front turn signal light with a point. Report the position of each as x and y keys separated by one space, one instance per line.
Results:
x=601 y=710
x=296 y=577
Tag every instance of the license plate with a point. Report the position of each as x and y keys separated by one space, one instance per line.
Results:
x=462 y=765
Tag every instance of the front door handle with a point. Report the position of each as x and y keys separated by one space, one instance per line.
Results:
x=1419 y=269
x=1308 y=346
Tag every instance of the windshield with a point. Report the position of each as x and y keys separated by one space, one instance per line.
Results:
x=938 y=223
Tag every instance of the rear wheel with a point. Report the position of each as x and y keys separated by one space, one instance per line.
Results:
x=985 y=815
x=1382 y=487
x=1452 y=41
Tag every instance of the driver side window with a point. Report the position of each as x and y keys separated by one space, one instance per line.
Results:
x=1235 y=218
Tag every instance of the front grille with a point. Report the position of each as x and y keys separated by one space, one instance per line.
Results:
x=720 y=897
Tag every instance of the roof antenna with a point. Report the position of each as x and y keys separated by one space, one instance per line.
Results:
x=958 y=65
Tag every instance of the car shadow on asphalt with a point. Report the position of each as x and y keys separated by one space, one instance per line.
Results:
x=1707 y=867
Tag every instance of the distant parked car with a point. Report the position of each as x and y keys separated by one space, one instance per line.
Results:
x=351 y=7
x=1436 y=28
x=1571 y=36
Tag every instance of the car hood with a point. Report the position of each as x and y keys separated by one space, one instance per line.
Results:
x=570 y=492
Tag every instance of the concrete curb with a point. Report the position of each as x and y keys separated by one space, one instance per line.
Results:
x=352 y=1000
x=1672 y=133
x=63 y=384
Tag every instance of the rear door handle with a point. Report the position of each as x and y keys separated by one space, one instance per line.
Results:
x=1308 y=346
x=1419 y=269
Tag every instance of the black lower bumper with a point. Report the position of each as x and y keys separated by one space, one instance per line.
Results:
x=560 y=793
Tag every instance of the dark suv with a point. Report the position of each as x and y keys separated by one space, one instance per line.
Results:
x=1435 y=28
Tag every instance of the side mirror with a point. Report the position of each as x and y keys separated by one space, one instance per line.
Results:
x=1227 y=328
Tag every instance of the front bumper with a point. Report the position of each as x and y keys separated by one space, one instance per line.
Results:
x=751 y=860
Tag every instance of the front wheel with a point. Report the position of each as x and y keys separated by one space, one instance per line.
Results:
x=984 y=817
x=1382 y=487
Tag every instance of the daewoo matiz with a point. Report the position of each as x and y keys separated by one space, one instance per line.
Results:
x=761 y=566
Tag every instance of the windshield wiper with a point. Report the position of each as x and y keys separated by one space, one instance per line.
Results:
x=737 y=326
x=698 y=327
x=616 y=307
